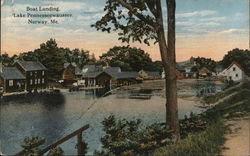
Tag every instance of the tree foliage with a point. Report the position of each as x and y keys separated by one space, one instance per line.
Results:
x=202 y=62
x=125 y=137
x=52 y=57
x=129 y=59
x=133 y=24
x=237 y=55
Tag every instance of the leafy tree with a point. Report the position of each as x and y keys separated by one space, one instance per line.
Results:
x=52 y=57
x=142 y=21
x=205 y=62
x=238 y=55
x=127 y=58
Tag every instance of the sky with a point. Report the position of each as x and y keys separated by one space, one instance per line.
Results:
x=205 y=28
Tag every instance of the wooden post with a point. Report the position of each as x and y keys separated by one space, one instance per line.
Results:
x=79 y=145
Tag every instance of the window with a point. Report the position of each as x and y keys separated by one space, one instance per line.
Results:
x=43 y=72
x=11 y=83
x=35 y=81
x=234 y=68
x=236 y=75
x=38 y=81
x=31 y=73
x=42 y=80
x=31 y=82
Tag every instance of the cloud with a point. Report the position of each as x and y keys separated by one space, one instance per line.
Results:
x=203 y=24
x=231 y=31
x=196 y=13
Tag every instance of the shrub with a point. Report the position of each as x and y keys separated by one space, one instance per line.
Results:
x=29 y=148
x=205 y=143
x=125 y=138
x=56 y=152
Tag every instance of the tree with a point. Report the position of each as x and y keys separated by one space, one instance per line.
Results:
x=237 y=55
x=202 y=62
x=127 y=58
x=142 y=20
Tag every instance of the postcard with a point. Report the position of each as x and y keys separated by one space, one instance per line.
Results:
x=124 y=77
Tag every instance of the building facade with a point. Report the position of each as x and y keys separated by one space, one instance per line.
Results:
x=234 y=72
x=12 y=80
x=35 y=74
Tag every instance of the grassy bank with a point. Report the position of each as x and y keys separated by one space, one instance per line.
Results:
x=210 y=141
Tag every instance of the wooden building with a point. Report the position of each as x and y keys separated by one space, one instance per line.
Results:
x=148 y=75
x=100 y=78
x=204 y=72
x=127 y=78
x=71 y=71
x=234 y=72
x=35 y=74
x=12 y=80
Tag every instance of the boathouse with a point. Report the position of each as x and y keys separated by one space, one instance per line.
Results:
x=12 y=80
x=100 y=79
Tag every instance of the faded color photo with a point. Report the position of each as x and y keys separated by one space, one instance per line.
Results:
x=125 y=77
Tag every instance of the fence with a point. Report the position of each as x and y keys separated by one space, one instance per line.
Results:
x=78 y=133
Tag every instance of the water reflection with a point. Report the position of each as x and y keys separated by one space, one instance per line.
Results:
x=48 y=118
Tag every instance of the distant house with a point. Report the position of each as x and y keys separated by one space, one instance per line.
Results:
x=35 y=74
x=204 y=72
x=179 y=72
x=127 y=78
x=112 y=69
x=217 y=71
x=12 y=80
x=99 y=78
x=71 y=72
x=107 y=76
x=148 y=75
x=91 y=68
x=189 y=73
x=234 y=72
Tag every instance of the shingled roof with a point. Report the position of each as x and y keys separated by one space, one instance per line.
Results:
x=11 y=73
x=91 y=74
x=153 y=73
x=126 y=75
x=77 y=69
x=31 y=65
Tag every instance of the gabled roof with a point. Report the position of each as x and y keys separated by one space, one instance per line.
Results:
x=112 y=69
x=179 y=67
x=204 y=70
x=93 y=74
x=11 y=73
x=65 y=65
x=237 y=64
x=77 y=69
x=91 y=68
x=126 y=75
x=218 y=69
x=31 y=65
x=152 y=73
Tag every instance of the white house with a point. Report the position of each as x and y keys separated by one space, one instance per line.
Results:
x=234 y=72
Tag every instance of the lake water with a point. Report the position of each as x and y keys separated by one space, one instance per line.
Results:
x=53 y=121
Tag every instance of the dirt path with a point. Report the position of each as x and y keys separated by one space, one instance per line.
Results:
x=238 y=142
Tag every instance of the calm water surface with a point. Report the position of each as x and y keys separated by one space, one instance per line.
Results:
x=52 y=122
